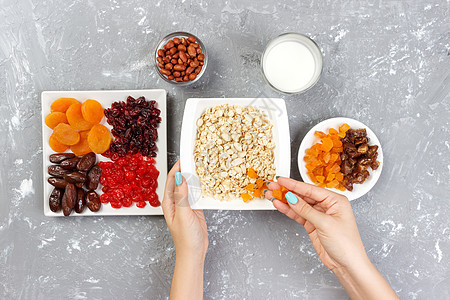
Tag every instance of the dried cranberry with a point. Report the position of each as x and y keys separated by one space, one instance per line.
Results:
x=134 y=125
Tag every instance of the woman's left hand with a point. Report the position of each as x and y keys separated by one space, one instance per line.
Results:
x=187 y=226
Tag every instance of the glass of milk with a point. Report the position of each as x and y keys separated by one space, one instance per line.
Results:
x=292 y=63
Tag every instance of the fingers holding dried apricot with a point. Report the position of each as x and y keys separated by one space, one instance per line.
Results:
x=99 y=139
x=92 y=111
x=75 y=117
x=54 y=118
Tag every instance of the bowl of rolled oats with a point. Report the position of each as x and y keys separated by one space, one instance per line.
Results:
x=222 y=138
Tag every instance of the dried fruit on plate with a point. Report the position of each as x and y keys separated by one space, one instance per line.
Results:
x=135 y=126
x=82 y=147
x=62 y=104
x=54 y=118
x=323 y=161
x=255 y=190
x=132 y=178
x=357 y=157
x=99 y=139
x=55 y=145
x=92 y=111
x=75 y=118
x=65 y=134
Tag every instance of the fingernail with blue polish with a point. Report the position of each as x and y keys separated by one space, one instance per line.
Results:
x=264 y=192
x=291 y=198
x=178 y=178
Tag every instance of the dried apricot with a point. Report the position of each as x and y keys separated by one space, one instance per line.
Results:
x=320 y=179
x=320 y=134
x=249 y=187
x=99 y=139
x=62 y=104
x=259 y=183
x=92 y=111
x=252 y=173
x=257 y=193
x=277 y=194
x=332 y=184
x=75 y=118
x=332 y=131
x=246 y=197
x=55 y=145
x=65 y=134
x=344 y=127
x=54 y=118
x=327 y=144
x=82 y=147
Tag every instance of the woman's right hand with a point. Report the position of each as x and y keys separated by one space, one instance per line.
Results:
x=329 y=221
x=327 y=218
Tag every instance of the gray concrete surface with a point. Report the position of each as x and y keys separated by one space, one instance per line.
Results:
x=387 y=64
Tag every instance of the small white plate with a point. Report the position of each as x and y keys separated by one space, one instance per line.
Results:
x=106 y=98
x=277 y=114
x=310 y=139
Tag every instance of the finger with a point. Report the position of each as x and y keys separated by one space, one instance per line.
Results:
x=285 y=209
x=305 y=190
x=167 y=203
x=273 y=186
x=180 y=195
x=268 y=195
x=303 y=209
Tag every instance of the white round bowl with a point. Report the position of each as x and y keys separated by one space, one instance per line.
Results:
x=310 y=139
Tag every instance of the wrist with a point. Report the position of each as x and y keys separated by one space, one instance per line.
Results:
x=190 y=256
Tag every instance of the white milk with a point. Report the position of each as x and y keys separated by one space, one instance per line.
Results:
x=290 y=66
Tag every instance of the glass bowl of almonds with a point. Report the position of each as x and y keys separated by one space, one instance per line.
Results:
x=180 y=58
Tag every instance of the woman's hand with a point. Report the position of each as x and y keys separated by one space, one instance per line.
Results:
x=327 y=218
x=329 y=221
x=188 y=230
x=187 y=226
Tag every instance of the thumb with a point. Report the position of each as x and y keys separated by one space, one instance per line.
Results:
x=304 y=210
x=180 y=193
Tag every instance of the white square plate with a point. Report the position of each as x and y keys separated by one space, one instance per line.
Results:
x=277 y=114
x=106 y=98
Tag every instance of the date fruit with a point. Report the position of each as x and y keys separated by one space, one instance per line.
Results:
x=80 y=202
x=59 y=157
x=57 y=171
x=93 y=201
x=57 y=182
x=75 y=177
x=93 y=178
x=86 y=162
x=55 y=200
x=70 y=164
x=71 y=195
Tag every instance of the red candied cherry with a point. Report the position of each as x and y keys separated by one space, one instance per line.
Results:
x=103 y=180
x=127 y=202
x=118 y=194
x=136 y=183
x=116 y=204
x=104 y=198
x=127 y=188
x=136 y=197
x=105 y=189
x=155 y=203
x=141 y=171
x=141 y=204
x=130 y=175
x=146 y=182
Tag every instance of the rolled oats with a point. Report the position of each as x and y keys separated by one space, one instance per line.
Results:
x=231 y=139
